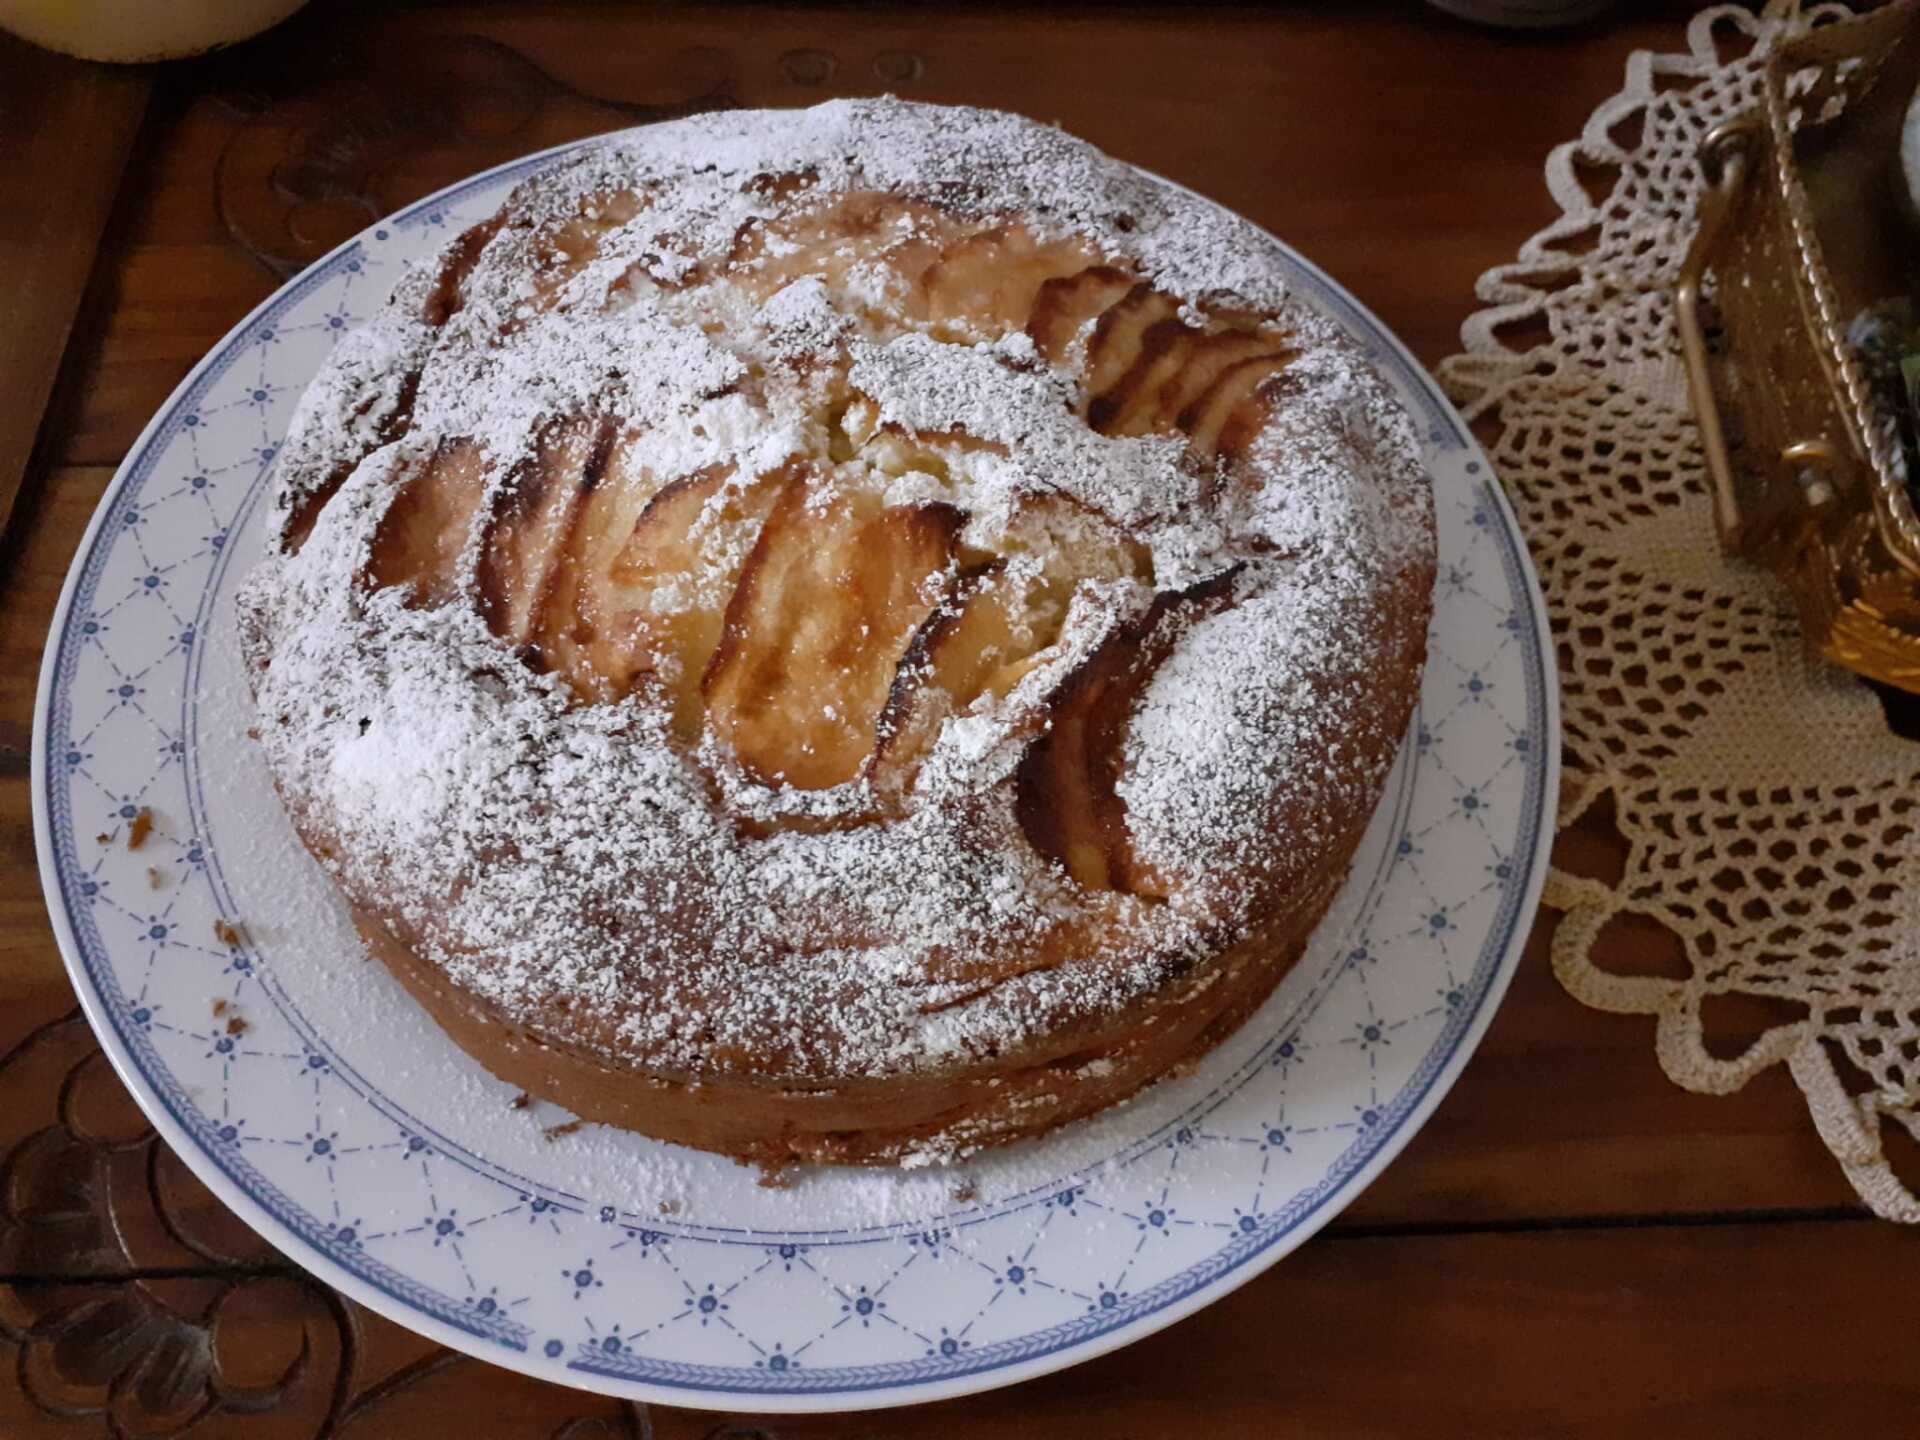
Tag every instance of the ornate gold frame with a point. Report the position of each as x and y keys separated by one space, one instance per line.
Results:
x=1794 y=230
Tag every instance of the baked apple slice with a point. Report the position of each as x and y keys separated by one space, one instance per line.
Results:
x=974 y=637
x=996 y=624
x=1064 y=307
x=584 y=624
x=1127 y=407
x=991 y=277
x=668 y=587
x=567 y=247
x=832 y=593
x=393 y=424
x=1120 y=337
x=533 y=520
x=1227 y=414
x=1152 y=400
x=1183 y=378
x=1210 y=357
x=870 y=230
x=1066 y=789
x=419 y=541
x=449 y=292
x=605 y=575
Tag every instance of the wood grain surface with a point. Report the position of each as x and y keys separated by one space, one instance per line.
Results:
x=1571 y=1247
x=66 y=130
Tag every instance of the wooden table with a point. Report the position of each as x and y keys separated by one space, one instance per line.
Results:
x=1572 y=1246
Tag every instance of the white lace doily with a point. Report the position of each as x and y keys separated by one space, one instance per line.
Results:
x=1772 y=820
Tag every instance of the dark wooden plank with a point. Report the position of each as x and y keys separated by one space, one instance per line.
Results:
x=1728 y=1330
x=257 y=1357
x=66 y=129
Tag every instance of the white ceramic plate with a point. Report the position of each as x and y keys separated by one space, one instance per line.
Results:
x=344 y=1126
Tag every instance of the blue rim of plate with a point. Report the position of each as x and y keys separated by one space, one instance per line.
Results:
x=307 y=1241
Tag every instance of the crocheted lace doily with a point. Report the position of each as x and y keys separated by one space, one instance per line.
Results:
x=1772 y=821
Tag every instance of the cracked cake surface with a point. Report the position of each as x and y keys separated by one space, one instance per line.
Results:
x=843 y=634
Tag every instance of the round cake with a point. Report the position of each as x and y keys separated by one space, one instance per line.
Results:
x=844 y=635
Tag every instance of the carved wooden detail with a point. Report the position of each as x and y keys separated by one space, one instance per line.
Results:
x=320 y=152
x=133 y=1303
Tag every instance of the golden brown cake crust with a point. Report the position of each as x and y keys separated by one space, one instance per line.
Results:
x=841 y=635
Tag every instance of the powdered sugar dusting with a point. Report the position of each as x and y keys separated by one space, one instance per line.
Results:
x=1267 y=707
x=541 y=850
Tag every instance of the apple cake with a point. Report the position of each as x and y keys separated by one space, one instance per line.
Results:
x=843 y=635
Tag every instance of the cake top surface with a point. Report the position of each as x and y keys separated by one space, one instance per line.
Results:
x=820 y=594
